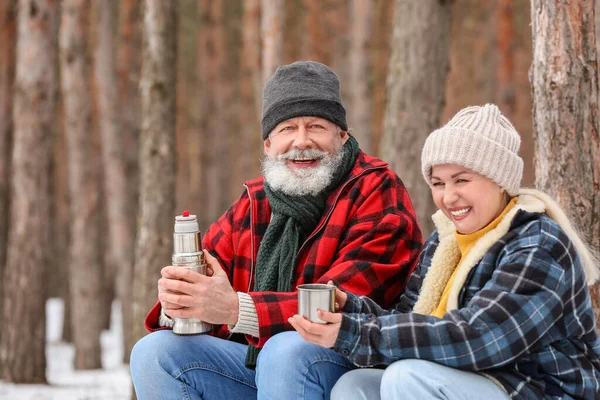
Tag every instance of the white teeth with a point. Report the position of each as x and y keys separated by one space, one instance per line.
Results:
x=460 y=213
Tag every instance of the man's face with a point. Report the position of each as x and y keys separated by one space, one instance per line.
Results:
x=304 y=133
x=302 y=155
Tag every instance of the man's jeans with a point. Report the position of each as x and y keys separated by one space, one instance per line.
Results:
x=415 y=379
x=167 y=366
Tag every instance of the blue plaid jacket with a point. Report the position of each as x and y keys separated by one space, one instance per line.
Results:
x=523 y=317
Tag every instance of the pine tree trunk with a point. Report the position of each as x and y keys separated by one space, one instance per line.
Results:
x=337 y=16
x=128 y=71
x=416 y=87
x=22 y=344
x=7 y=76
x=85 y=269
x=207 y=58
x=505 y=73
x=564 y=84
x=477 y=56
x=59 y=278
x=188 y=138
x=120 y=236
x=359 y=110
x=229 y=108
x=294 y=47
x=380 y=54
x=272 y=18
x=250 y=92
x=314 y=32
x=157 y=155
x=597 y=24
x=211 y=63
x=472 y=56
x=522 y=49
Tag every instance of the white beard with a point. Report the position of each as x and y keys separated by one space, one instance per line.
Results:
x=301 y=181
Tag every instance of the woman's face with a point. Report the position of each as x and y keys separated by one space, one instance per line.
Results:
x=470 y=200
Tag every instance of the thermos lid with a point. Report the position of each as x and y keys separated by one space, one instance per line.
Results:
x=186 y=223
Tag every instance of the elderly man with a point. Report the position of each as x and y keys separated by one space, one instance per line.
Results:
x=323 y=210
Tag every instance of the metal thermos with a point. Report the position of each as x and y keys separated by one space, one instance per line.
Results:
x=187 y=253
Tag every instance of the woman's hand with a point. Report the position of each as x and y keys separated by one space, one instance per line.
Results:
x=323 y=335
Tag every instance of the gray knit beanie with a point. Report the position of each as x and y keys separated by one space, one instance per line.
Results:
x=304 y=88
x=481 y=139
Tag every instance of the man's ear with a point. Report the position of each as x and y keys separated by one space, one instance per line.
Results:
x=344 y=135
x=267 y=146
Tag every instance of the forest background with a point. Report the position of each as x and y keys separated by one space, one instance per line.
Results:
x=117 y=115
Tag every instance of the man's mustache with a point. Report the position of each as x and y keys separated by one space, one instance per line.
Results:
x=294 y=154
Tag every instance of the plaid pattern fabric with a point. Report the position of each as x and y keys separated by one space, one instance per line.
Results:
x=525 y=318
x=367 y=241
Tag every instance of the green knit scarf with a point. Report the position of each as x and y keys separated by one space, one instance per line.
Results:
x=294 y=218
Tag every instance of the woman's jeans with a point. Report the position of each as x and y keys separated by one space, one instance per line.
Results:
x=415 y=379
x=167 y=366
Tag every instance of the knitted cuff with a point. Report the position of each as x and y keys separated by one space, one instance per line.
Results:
x=247 y=316
x=165 y=320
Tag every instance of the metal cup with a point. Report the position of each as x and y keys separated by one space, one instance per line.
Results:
x=313 y=297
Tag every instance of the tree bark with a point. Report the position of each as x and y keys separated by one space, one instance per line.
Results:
x=337 y=15
x=380 y=48
x=211 y=63
x=564 y=86
x=250 y=92
x=120 y=234
x=85 y=269
x=416 y=86
x=59 y=279
x=294 y=47
x=8 y=12
x=597 y=24
x=228 y=104
x=188 y=138
x=314 y=32
x=157 y=158
x=505 y=73
x=477 y=56
x=272 y=36
x=359 y=107
x=128 y=71
x=22 y=344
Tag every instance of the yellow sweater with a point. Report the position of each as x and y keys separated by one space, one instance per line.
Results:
x=466 y=243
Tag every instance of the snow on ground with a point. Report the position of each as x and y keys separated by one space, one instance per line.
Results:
x=111 y=382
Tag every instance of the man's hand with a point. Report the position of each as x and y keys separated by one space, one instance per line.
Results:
x=340 y=297
x=323 y=335
x=187 y=294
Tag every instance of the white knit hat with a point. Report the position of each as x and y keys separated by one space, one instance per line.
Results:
x=479 y=138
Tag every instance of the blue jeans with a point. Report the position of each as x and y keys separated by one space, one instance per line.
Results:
x=167 y=366
x=415 y=379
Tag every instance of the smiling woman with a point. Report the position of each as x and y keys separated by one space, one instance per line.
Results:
x=498 y=306
x=470 y=200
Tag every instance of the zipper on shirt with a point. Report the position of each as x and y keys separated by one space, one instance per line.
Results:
x=251 y=238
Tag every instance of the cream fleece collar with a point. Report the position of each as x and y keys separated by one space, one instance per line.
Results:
x=447 y=255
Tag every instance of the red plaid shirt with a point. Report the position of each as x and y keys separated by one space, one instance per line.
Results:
x=367 y=242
